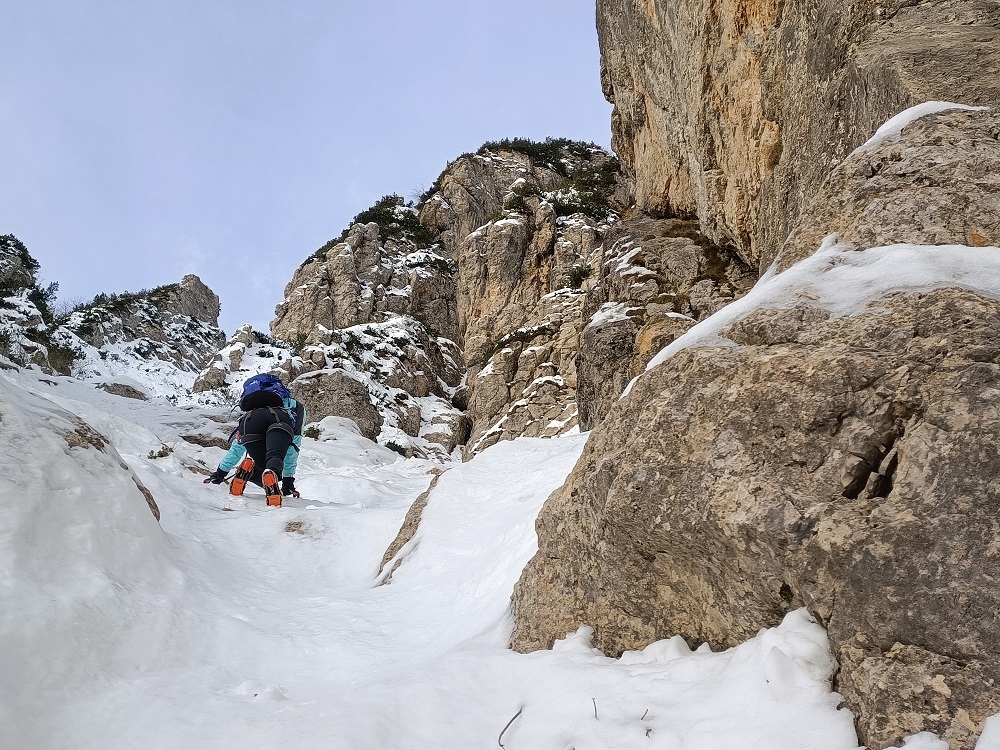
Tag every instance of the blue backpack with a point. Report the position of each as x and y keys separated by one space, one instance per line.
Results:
x=264 y=391
x=265 y=382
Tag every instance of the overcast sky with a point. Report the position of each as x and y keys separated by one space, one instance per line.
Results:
x=141 y=140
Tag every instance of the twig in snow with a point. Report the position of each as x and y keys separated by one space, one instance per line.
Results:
x=595 y=707
x=644 y=714
x=512 y=718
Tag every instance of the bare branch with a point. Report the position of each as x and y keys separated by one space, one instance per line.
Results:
x=512 y=718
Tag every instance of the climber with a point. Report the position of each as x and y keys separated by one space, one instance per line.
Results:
x=266 y=442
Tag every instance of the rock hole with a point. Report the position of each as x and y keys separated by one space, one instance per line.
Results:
x=785 y=592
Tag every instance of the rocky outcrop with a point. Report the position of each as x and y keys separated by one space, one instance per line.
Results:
x=155 y=336
x=845 y=464
x=657 y=278
x=124 y=390
x=192 y=298
x=406 y=532
x=18 y=270
x=471 y=192
x=26 y=331
x=78 y=434
x=365 y=279
x=807 y=450
x=935 y=182
x=734 y=113
x=528 y=385
x=335 y=394
x=238 y=360
x=520 y=278
x=175 y=324
x=536 y=280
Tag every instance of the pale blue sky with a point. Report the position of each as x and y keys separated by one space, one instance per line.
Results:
x=141 y=140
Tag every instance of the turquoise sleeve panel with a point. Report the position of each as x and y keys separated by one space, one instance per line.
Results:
x=292 y=457
x=232 y=458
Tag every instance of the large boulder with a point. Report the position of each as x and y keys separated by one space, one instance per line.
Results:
x=332 y=393
x=735 y=112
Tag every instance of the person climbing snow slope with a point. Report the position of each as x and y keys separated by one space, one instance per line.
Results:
x=266 y=442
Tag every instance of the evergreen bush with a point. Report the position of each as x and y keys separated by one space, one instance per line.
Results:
x=576 y=276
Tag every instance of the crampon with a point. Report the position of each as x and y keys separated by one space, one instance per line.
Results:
x=272 y=488
x=243 y=473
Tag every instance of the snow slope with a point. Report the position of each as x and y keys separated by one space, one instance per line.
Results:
x=230 y=625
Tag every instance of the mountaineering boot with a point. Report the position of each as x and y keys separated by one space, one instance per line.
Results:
x=271 y=488
x=243 y=473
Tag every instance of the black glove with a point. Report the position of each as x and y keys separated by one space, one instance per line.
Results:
x=216 y=477
x=288 y=486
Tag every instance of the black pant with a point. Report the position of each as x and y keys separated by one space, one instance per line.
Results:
x=266 y=434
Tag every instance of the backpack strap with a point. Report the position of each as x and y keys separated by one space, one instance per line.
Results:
x=241 y=428
x=277 y=424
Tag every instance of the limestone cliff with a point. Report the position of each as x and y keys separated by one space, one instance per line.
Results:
x=520 y=279
x=501 y=267
x=807 y=451
x=566 y=260
x=734 y=112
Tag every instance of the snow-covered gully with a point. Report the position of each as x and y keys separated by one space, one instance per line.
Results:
x=230 y=625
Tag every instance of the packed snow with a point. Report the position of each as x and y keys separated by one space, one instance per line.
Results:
x=610 y=312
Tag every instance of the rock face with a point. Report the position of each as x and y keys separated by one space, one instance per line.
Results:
x=473 y=189
x=657 y=278
x=528 y=386
x=847 y=465
x=734 y=113
x=195 y=300
x=521 y=277
x=842 y=462
x=406 y=532
x=937 y=183
x=367 y=278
